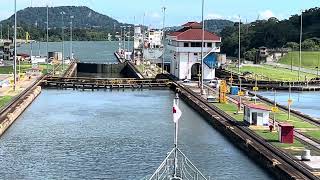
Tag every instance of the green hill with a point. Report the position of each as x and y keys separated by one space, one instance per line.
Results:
x=273 y=33
x=88 y=24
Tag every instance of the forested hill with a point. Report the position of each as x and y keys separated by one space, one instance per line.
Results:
x=217 y=25
x=90 y=24
x=212 y=25
x=273 y=33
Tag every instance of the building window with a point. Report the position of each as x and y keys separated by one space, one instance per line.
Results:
x=209 y=45
x=196 y=54
x=185 y=44
x=196 y=44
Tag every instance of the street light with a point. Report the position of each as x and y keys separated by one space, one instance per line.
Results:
x=71 y=54
x=15 y=46
x=202 y=44
x=163 y=31
x=47 y=39
x=62 y=13
x=300 y=46
x=239 y=53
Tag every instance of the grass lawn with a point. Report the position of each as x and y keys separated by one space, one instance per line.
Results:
x=310 y=59
x=315 y=134
x=273 y=138
x=24 y=67
x=230 y=108
x=4 y=100
x=267 y=72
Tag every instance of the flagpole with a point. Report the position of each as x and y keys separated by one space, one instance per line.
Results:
x=176 y=102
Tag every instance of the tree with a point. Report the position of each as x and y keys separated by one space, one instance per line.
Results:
x=308 y=44
x=250 y=55
x=292 y=45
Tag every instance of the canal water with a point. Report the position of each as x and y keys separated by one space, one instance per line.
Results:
x=125 y=134
x=85 y=51
x=305 y=102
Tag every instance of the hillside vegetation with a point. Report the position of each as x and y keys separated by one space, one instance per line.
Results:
x=88 y=24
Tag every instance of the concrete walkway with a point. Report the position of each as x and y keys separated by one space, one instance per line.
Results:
x=295 y=68
x=304 y=138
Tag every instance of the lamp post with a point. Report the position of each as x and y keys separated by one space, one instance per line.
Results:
x=129 y=33
x=239 y=53
x=202 y=44
x=300 y=55
x=71 y=53
x=15 y=46
x=47 y=39
x=62 y=28
x=164 y=35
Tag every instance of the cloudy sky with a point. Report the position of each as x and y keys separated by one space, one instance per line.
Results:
x=178 y=11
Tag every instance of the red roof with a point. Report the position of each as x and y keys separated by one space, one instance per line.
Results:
x=192 y=31
x=285 y=125
x=195 y=34
x=192 y=24
x=257 y=106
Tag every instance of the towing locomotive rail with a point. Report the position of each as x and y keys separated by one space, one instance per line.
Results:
x=296 y=169
x=8 y=107
x=316 y=141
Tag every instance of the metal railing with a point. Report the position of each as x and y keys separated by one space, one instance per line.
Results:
x=185 y=168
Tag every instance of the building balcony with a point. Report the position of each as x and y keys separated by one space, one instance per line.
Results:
x=193 y=49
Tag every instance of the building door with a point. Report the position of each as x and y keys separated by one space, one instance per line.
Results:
x=195 y=71
x=254 y=118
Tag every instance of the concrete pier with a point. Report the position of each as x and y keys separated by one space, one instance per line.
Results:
x=277 y=162
x=17 y=108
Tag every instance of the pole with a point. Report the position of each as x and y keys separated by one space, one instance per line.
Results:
x=62 y=13
x=129 y=38
x=289 y=103
x=255 y=91
x=39 y=48
x=8 y=32
x=202 y=44
x=1 y=33
x=143 y=38
x=176 y=100
x=239 y=53
x=300 y=47
x=71 y=55
x=124 y=41
x=318 y=64
x=275 y=105
x=240 y=99
x=15 y=46
x=120 y=39
x=164 y=35
x=292 y=61
x=47 y=39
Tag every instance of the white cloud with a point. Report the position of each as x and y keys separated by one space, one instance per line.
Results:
x=266 y=14
x=214 y=16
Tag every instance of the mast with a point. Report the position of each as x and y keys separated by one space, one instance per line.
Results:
x=176 y=127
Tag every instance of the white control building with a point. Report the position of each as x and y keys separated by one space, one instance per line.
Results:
x=185 y=47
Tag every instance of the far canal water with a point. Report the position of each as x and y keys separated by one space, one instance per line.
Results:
x=305 y=102
x=85 y=51
x=69 y=134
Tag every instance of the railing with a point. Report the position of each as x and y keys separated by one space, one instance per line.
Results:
x=185 y=168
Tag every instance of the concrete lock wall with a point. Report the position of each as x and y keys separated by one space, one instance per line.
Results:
x=19 y=109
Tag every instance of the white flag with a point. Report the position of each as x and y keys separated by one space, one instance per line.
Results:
x=176 y=112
